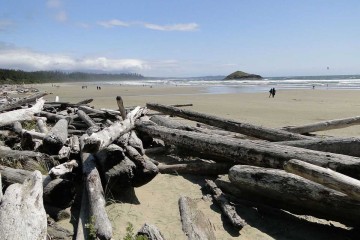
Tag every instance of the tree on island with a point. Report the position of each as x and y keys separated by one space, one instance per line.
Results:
x=242 y=75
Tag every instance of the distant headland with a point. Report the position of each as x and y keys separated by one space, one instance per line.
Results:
x=242 y=75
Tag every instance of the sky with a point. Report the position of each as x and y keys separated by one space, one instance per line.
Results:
x=187 y=38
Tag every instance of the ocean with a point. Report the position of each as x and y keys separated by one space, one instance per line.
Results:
x=217 y=85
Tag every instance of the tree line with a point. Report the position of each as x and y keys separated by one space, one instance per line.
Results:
x=10 y=76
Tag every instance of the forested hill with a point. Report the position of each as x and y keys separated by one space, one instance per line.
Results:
x=8 y=76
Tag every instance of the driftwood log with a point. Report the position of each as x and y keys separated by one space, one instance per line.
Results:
x=256 y=153
x=95 y=193
x=99 y=140
x=120 y=104
x=324 y=125
x=326 y=177
x=82 y=232
x=346 y=146
x=151 y=232
x=21 y=102
x=21 y=115
x=225 y=206
x=230 y=125
x=198 y=168
x=298 y=195
x=89 y=122
x=195 y=224
x=56 y=137
x=22 y=213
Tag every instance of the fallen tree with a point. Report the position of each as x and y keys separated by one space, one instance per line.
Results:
x=230 y=125
x=256 y=153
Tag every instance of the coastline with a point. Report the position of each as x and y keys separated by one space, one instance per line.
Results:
x=159 y=198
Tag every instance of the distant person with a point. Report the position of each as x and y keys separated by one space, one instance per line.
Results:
x=273 y=92
x=313 y=87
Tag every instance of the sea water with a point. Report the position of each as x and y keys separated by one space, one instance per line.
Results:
x=214 y=85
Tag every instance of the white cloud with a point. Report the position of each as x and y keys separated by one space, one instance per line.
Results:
x=26 y=59
x=61 y=16
x=174 y=27
x=53 y=3
x=113 y=23
x=5 y=24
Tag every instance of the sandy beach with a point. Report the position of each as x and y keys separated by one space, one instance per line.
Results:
x=158 y=200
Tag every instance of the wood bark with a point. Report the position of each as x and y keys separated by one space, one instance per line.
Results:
x=21 y=115
x=230 y=125
x=324 y=125
x=198 y=168
x=151 y=232
x=298 y=195
x=225 y=206
x=1 y=189
x=62 y=169
x=17 y=127
x=195 y=224
x=24 y=156
x=19 y=103
x=95 y=195
x=120 y=104
x=56 y=137
x=22 y=213
x=257 y=153
x=53 y=117
x=346 y=146
x=325 y=176
x=82 y=232
x=99 y=140
x=89 y=110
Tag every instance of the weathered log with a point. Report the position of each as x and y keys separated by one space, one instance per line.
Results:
x=17 y=128
x=99 y=140
x=109 y=157
x=325 y=176
x=195 y=224
x=74 y=144
x=151 y=232
x=82 y=232
x=24 y=156
x=199 y=168
x=225 y=206
x=62 y=169
x=257 y=153
x=167 y=122
x=89 y=122
x=19 y=103
x=95 y=193
x=296 y=194
x=145 y=170
x=120 y=104
x=1 y=187
x=22 y=213
x=230 y=125
x=136 y=142
x=56 y=137
x=56 y=117
x=27 y=114
x=86 y=101
x=324 y=125
x=41 y=125
x=346 y=146
x=59 y=193
x=92 y=110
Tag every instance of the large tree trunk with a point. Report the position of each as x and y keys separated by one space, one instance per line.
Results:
x=230 y=125
x=120 y=104
x=325 y=125
x=21 y=115
x=198 y=168
x=95 y=195
x=346 y=146
x=88 y=121
x=296 y=194
x=225 y=206
x=99 y=140
x=326 y=177
x=22 y=213
x=19 y=103
x=195 y=224
x=56 y=137
x=252 y=152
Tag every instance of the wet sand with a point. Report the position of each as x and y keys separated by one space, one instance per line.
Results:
x=158 y=199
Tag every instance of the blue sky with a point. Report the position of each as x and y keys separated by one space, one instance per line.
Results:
x=182 y=38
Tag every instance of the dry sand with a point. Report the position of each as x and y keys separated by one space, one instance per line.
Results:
x=158 y=199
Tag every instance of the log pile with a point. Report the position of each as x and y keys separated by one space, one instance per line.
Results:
x=81 y=151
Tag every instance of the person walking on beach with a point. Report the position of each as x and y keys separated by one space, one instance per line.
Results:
x=271 y=92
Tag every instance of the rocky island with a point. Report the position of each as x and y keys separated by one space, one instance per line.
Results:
x=242 y=75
